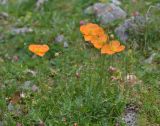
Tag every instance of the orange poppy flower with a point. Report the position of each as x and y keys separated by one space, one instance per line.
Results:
x=39 y=50
x=89 y=30
x=94 y=34
x=113 y=47
x=99 y=40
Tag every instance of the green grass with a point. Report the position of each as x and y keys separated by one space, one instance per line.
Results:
x=91 y=99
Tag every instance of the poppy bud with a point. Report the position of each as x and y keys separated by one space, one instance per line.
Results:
x=22 y=95
x=56 y=54
x=82 y=22
x=41 y=123
x=136 y=13
x=15 y=58
x=131 y=78
x=64 y=119
x=77 y=74
x=134 y=1
x=112 y=69
x=112 y=36
x=113 y=78
x=117 y=124
x=75 y=124
x=18 y=124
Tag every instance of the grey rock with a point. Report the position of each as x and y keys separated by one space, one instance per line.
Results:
x=39 y=3
x=106 y=13
x=130 y=119
x=150 y=59
x=122 y=30
x=65 y=45
x=134 y=24
x=89 y=10
x=1 y=123
x=32 y=72
x=130 y=116
x=122 y=33
x=26 y=85
x=116 y=2
x=21 y=30
x=4 y=15
x=3 y=2
x=59 y=39
x=10 y=107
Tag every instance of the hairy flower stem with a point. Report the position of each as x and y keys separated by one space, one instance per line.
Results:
x=126 y=89
x=111 y=60
x=106 y=75
x=102 y=70
x=110 y=64
x=90 y=74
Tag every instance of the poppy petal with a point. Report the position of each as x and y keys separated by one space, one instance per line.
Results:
x=92 y=26
x=40 y=53
x=83 y=28
x=87 y=37
x=115 y=44
x=120 y=48
x=91 y=29
x=106 y=49
x=39 y=50
x=99 y=41
x=97 y=45
x=88 y=28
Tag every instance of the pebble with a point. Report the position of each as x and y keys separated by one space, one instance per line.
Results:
x=65 y=45
x=59 y=39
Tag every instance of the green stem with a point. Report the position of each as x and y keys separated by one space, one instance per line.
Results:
x=111 y=60
x=102 y=70
x=126 y=81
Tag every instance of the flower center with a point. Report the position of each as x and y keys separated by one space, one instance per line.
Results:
x=112 y=48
